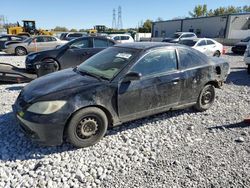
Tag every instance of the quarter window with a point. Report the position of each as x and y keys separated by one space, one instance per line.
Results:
x=190 y=58
x=156 y=62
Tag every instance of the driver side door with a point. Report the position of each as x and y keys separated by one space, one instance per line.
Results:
x=157 y=90
x=76 y=53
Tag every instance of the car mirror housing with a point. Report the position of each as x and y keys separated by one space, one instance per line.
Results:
x=131 y=76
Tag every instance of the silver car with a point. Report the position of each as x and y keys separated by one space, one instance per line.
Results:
x=34 y=44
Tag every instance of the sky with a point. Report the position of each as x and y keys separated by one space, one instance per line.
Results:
x=80 y=14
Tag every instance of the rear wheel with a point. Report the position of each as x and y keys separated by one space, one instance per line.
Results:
x=20 y=51
x=248 y=69
x=87 y=127
x=217 y=53
x=206 y=98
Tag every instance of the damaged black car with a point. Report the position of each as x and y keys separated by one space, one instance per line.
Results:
x=119 y=84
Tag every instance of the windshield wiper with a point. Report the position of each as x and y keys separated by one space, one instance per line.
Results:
x=100 y=78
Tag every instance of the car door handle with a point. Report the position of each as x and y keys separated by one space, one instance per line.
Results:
x=175 y=81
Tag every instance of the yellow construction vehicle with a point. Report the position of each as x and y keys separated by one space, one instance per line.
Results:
x=28 y=29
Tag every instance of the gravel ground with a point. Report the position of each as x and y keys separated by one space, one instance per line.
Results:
x=174 y=149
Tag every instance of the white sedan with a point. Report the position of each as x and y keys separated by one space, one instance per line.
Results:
x=207 y=46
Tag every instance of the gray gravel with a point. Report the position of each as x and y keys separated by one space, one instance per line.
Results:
x=174 y=149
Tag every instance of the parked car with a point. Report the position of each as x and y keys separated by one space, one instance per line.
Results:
x=70 y=36
x=240 y=47
x=69 y=55
x=34 y=44
x=119 y=84
x=207 y=46
x=247 y=57
x=8 y=38
x=176 y=37
x=121 y=38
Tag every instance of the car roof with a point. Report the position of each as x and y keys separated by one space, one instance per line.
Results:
x=145 y=45
x=197 y=39
x=185 y=32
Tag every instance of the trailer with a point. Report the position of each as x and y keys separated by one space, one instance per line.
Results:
x=12 y=74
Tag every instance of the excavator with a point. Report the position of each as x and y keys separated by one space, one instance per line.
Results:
x=28 y=29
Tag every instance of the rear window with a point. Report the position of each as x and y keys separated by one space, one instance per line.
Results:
x=75 y=35
x=191 y=58
x=209 y=42
x=100 y=43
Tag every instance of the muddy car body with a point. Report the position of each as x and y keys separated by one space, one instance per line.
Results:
x=120 y=84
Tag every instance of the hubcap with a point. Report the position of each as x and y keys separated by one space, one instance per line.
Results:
x=87 y=127
x=20 y=51
x=207 y=97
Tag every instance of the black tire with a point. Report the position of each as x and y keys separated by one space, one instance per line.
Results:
x=217 y=53
x=248 y=69
x=206 y=98
x=20 y=51
x=56 y=64
x=87 y=127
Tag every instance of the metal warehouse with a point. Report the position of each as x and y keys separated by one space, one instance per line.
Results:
x=233 y=26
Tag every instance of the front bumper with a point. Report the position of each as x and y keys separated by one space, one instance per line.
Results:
x=49 y=134
x=9 y=50
x=29 y=65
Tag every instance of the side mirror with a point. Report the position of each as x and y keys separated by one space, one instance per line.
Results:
x=131 y=76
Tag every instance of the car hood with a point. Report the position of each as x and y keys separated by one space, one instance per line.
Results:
x=55 y=83
x=13 y=42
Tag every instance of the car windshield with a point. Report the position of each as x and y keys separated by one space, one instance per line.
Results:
x=108 y=62
x=176 y=35
x=188 y=42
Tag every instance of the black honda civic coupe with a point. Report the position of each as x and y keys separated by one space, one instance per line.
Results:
x=122 y=83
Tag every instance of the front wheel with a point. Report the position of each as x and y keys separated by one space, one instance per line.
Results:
x=248 y=69
x=20 y=51
x=87 y=127
x=206 y=98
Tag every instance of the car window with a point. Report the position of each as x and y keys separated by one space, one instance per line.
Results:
x=4 y=39
x=108 y=62
x=188 y=42
x=75 y=35
x=202 y=43
x=124 y=37
x=117 y=38
x=191 y=58
x=49 y=39
x=40 y=39
x=100 y=43
x=83 y=43
x=16 y=38
x=209 y=42
x=156 y=62
x=111 y=43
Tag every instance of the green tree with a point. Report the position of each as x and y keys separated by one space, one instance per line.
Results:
x=73 y=30
x=58 y=28
x=246 y=8
x=199 y=10
x=146 y=27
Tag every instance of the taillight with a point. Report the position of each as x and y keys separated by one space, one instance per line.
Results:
x=223 y=50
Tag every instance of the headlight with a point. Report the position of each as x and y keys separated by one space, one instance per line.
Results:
x=46 y=107
x=32 y=56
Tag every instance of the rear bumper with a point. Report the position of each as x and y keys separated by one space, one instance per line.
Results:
x=238 y=50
